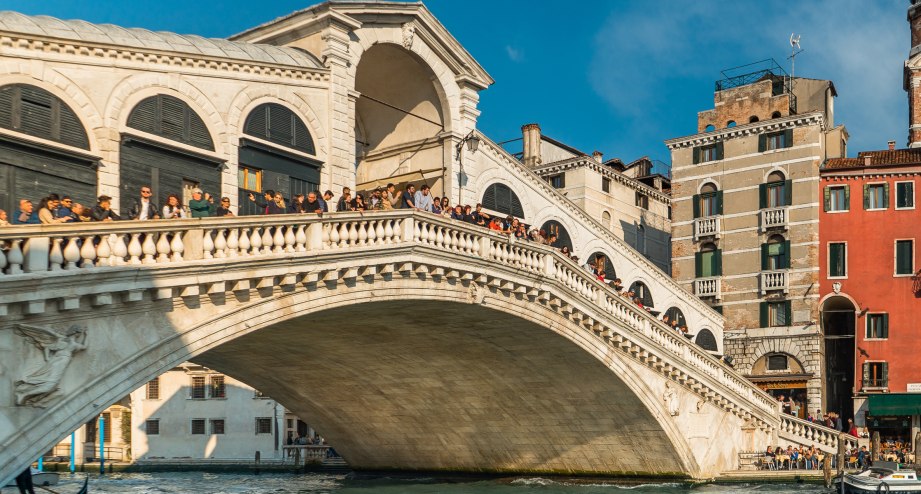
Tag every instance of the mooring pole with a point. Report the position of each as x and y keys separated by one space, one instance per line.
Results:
x=102 y=445
x=73 y=452
x=826 y=470
x=874 y=447
x=841 y=444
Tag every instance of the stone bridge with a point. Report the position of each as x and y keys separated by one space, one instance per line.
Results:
x=413 y=342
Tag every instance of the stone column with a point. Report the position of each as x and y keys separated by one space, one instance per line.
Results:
x=340 y=167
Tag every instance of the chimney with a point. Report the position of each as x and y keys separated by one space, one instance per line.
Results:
x=598 y=156
x=866 y=160
x=530 y=148
x=891 y=145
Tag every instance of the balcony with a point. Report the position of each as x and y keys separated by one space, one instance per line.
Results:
x=774 y=218
x=875 y=384
x=775 y=280
x=706 y=227
x=707 y=287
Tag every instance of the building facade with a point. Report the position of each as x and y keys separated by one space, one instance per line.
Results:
x=745 y=230
x=871 y=288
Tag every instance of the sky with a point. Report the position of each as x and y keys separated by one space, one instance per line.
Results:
x=619 y=77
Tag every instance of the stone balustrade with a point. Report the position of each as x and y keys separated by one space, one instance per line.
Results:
x=707 y=287
x=775 y=280
x=804 y=433
x=165 y=244
x=706 y=227
x=774 y=218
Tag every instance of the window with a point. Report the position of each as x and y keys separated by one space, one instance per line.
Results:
x=709 y=128
x=171 y=118
x=198 y=426
x=875 y=374
x=557 y=181
x=877 y=326
x=753 y=119
x=775 y=314
x=709 y=202
x=34 y=111
x=278 y=124
x=837 y=260
x=218 y=390
x=605 y=184
x=153 y=389
x=152 y=427
x=641 y=291
x=876 y=196
x=642 y=200
x=706 y=340
x=249 y=179
x=775 y=254
x=777 y=362
x=713 y=152
x=904 y=195
x=904 y=257
x=217 y=426
x=776 y=192
x=197 y=392
x=837 y=198
x=775 y=140
x=501 y=198
x=709 y=261
x=776 y=114
x=263 y=425
x=730 y=124
x=606 y=219
x=675 y=314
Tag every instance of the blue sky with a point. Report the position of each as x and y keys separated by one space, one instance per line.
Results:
x=619 y=77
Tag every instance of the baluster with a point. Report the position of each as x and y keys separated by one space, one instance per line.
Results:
x=220 y=243
x=207 y=245
x=363 y=233
x=289 y=238
x=380 y=232
x=397 y=231
x=372 y=232
x=255 y=240
x=333 y=235
x=55 y=257
x=423 y=235
x=134 y=249
x=417 y=231
x=233 y=242
x=177 y=246
x=267 y=240
x=325 y=240
x=279 y=239
x=119 y=249
x=353 y=233
x=163 y=249
x=388 y=231
x=343 y=234
x=300 y=239
x=103 y=251
x=14 y=257
x=439 y=237
x=71 y=253
x=245 y=244
x=2 y=261
x=150 y=248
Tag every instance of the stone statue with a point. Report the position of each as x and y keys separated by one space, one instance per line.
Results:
x=409 y=32
x=671 y=400
x=58 y=350
x=476 y=294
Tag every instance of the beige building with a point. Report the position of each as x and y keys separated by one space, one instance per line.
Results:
x=629 y=199
x=745 y=223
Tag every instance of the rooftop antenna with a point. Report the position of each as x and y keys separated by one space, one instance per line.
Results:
x=795 y=50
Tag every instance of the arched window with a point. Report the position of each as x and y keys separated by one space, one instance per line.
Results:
x=706 y=340
x=601 y=260
x=709 y=261
x=501 y=198
x=36 y=112
x=709 y=128
x=276 y=123
x=553 y=227
x=641 y=291
x=675 y=314
x=753 y=119
x=730 y=124
x=709 y=201
x=606 y=219
x=775 y=253
x=776 y=114
x=171 y=118
x=776 y=191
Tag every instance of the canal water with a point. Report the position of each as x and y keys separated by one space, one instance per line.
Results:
x=274 y=483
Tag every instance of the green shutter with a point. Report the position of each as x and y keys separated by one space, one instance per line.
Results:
x=762 y=143
x=697 y=155
x=719 y=150
x=866 y=196
x=719 y=202
x=696 y=201
x=788 y=313
x=903 y=256
x=885 y=374
x=827 y=199
x=718 y=262
x=788 y=192
x=762 y=196
x=698 y=264
x=764 y=257
x=834 y=258
x=847 y=198
x=785 y=262
x=788 y=138
x=885 y=330
x=886 y=195
x=764 y=314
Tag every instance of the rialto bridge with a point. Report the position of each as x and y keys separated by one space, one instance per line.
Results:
x=413 y=342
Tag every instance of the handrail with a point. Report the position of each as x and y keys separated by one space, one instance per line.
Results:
x=795 y=429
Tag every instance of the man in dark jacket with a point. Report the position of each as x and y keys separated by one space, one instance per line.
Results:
x=26 y=214
x=103 y=210
x=263 y=206
x=144 y=208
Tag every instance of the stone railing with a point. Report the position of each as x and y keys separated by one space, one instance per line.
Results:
x=706 y=227
x=707 y=287
x=69 y=250
x=774 y=280
x=773 y=218
x=804 y=433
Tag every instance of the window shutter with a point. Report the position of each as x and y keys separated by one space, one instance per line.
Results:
x=785 y=263
x=719 y=150
x=827 y=198
x=885 y=329
x=698 y=264
x=866 y=196
x=697 y=155
x=847 y=197
x=719 y=202
x=762 y=196
x=696 y=205
x=764 y=257
x=764 y=314
x=762 y=143
x=788 y=192
x=886 y=195
x=788 y=138
x=885 y=374
x=834 y=257
x=718 y=263
x=866 y=373
x=788 y=313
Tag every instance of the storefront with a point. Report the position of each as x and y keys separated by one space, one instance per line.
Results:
x=894 y=415
x=790 y=389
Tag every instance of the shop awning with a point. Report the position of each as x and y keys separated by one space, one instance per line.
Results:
x=419 y=176
x=894 y=404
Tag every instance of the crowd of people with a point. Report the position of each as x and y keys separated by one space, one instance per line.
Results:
x=792 y=457
x=855 y=457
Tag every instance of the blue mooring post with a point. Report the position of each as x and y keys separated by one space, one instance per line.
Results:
x=40 y=464
x=73 y=451
x=102 y=446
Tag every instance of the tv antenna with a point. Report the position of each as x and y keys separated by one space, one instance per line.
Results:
x=795 y=50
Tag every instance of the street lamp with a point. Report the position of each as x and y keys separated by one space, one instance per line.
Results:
x=473 y=142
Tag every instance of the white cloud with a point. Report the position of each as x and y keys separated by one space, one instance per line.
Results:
x=514 y=54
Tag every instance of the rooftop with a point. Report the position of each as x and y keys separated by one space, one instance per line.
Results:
x=884 y=157
x=109 y=34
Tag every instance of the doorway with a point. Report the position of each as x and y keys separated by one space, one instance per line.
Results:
x=838 y=317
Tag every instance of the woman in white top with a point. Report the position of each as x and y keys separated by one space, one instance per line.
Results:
x=173 y=208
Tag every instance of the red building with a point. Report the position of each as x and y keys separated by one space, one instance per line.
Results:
x=869 y=228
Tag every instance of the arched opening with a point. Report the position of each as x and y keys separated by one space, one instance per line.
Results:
x=32 y=170
x=601 y=262
x=776 y=191
x=554 y=228
x=838 y=325
x=675 y=314
x=783 y=376
x=706 y=340
x=709 y=128
x=167 y=169
x=399 y=117
x=641 y=292
x=710 y=201
x=776 y=254
x=271 y=165
x=753 y=119
x=606 y=219
x=730 y=124
x=500 y=198
x=776 y=114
